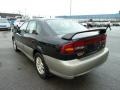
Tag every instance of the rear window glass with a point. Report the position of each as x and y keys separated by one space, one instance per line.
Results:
x=65 y=26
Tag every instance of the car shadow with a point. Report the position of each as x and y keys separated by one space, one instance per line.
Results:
x=83 y=81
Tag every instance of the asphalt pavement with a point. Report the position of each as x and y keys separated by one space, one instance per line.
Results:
x=17 y=72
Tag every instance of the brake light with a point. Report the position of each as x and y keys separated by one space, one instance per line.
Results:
x=78 y=47
x=103 y=38
x=72 y=47
x=67 y=49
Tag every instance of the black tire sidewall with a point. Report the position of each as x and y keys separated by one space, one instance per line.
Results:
x=14 y=45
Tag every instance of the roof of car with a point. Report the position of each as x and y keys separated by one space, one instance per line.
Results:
x=45 y=19
x=3 y=18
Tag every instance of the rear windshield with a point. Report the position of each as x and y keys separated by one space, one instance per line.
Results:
x=65 y=26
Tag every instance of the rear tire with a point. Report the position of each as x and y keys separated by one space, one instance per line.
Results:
x=41 y=67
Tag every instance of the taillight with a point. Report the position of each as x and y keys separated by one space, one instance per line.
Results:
x=72 y=47
x=99 y=39
x=67 y=49
x=78 y=47
x=103 y=40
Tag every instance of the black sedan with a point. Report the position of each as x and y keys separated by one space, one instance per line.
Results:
x=61 y=47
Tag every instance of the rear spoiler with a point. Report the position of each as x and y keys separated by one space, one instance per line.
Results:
x=69 y=36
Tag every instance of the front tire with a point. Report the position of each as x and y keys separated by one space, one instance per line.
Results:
x=41 y=67
x=15 y=46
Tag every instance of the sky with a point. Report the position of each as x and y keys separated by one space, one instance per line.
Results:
x=59 y=7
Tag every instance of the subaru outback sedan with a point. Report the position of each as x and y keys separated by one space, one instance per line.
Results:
x=61 y=47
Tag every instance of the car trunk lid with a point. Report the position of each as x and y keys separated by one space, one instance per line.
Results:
x=87 y=43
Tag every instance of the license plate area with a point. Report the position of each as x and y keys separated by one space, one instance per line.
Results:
x=90 y=48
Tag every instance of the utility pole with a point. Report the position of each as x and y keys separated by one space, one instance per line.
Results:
x=25 y=12
x=19 y=12
x=70 y=6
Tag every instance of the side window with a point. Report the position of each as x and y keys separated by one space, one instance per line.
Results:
x=39 y=27
x=24 y=26
x=32 y=27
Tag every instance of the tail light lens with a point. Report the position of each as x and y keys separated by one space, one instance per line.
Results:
x=67 y=49
x=78 y=47
x=103 y=40
x=72 y=47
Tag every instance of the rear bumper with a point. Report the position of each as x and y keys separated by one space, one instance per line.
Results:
x=76 y=67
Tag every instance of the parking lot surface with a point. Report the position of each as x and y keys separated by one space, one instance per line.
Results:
x=17 y=72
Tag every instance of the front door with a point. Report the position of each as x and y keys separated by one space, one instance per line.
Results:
x=30 y=38
x=19 y=36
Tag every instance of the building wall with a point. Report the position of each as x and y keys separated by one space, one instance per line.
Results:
x=102 y=17
x=5 y=15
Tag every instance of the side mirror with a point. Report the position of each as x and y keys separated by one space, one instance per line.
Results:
x=16 y=29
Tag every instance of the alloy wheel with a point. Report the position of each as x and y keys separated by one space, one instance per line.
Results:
x=40 y=66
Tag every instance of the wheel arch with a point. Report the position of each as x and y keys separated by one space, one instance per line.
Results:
x=37 y=50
